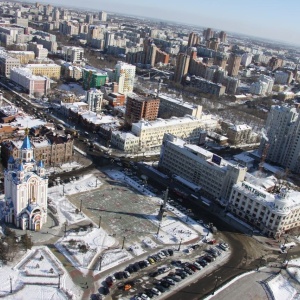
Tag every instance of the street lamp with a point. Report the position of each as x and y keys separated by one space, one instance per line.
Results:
x=217 y=278
x=10 y=281
x=66 y=223
x=58 y=280
x=80 y=205
x=158 y=228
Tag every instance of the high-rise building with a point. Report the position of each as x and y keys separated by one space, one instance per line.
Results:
x=182 y=66
x=223 y=36
x=192 y=52
x=125 y=75
x=26 y=189
x=213 y=44
x=275 y=63
x=102 y=16
x=234 y=63
x=193 y=39
x=89 y=19
x=94 y=98
x=149 y=52
x=246 y=59
x=281 y=143
x=208 y=34
x=138 y=108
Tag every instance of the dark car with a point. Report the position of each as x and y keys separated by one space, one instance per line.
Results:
x=165 y=283
x=130 y=269
x=181 y=275
x=192 y=267
x=105 y=290
x=149 y=293
x=209 y=258
x=153 y=274
x=174 y=278
x=109 y=282
x=160 y=288
x=166 y=252
x=136 y=266
x=142 y=264
x=187 y=270
x=202 y=262
x=171 y=252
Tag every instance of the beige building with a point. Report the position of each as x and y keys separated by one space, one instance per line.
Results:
x=241 y=134
x=7 y=63
x=50 y=70
x=23 y=56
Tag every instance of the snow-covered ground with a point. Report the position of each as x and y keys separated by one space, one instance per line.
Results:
x=94 y=240
x=281 y=288
x=36 y=276
x=67 y=167
x=65 y=209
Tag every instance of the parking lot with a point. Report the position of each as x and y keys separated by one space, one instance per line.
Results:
x=163 y=272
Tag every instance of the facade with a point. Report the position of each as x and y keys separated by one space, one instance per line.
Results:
x=246 y=59
x=273 y=214
x=94 y=99
x=102 y=16
x=26 y=189
x=116 y=99
x=172 y=107
x=182 y=67
x=151 y=133
x=258 y=88
x=207 y=87
x=23 y=56
x=194 y=39
x=73 y=54
x=34 y=85
x=49 y=70
x=241 y=134
x=212 y=174
x=93 y=78
x=54 y=150
x=275 y=63
x=124 y=76
x=282 y=77
x=282 y=142
x=234 y=63
x=7 y=63
x=138 y=108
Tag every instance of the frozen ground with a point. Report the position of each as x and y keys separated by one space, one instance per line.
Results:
x=36 y=277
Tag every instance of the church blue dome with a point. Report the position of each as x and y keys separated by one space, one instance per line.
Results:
x=26 y=143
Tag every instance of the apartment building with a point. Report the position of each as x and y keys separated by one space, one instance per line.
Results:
x=53 y=149
x=139 y=107
x=173 y=107
x=281 y=145
x=124 y=76
x=34 y=85
x=7 y=63
x=50 y=70
x=23 y=56
x=212 y=174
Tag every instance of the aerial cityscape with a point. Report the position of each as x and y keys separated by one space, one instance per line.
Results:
x=149 y=151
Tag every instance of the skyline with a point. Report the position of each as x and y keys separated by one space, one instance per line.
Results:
x=235 y=16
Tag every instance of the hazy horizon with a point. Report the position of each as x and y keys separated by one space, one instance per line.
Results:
x=266 y=19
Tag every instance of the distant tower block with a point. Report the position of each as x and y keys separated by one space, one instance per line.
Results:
x=163 y=206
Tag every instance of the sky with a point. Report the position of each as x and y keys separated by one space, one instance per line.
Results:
x=272 y=19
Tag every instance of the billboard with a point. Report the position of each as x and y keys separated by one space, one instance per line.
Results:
x=216 y=159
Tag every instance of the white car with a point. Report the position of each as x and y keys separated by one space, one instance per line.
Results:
x=145 y=297
x=155 y=291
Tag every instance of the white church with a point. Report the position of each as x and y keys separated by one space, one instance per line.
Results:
x=25 y=188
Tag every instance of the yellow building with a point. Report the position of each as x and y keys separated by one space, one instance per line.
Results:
x=50 y=70
x=23 y=56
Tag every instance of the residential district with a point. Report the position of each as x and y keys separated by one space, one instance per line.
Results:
x=145 y=159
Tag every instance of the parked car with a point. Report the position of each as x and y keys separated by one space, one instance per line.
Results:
x=160 y=288
x=144 y=297
x=169 y=280
x=171 y=252
x=155 y=291
x=126 y=274
x=105 y=290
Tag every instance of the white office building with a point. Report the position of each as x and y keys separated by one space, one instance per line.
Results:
x=273 y=214
x=124 y=76
x=212 y=174
x=73 y=54
x=269 y=80
x=259 y=88
x=246 y=59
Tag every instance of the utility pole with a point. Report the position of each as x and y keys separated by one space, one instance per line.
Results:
x=100 y=263
x=66 y=228
x=58 y=280
x=260 y=262
x=80 y=205
x=123 y=242
x=179 y=245
x=99 y=225
x=10 y=281
x=217 y=278
x=158 y=229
